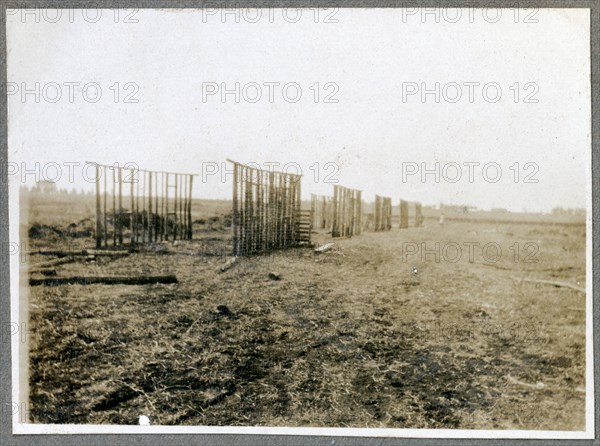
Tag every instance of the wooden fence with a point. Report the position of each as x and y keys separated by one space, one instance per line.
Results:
x=383 y=213
x=141 y=205
x=321 y=207
x=403 y=214
x=267 y=211
x=346 y=212
x=418 y=215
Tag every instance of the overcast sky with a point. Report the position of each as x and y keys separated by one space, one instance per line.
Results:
x=369 y=120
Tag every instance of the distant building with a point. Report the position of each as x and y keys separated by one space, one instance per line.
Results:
x=457 y=209
x=568 y=211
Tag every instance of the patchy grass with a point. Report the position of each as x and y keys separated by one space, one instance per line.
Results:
x=360 y=336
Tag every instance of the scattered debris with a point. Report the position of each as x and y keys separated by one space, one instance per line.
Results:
x=101 y=253
x=409 y=283
x=557 y=284
x=324 y=248
x=144 y=420
x=274 y=276
x=536 y=386
x=228 y=265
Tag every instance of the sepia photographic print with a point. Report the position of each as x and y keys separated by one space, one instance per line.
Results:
x=298 y=221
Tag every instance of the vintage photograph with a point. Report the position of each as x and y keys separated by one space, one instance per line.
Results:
x=346 y=221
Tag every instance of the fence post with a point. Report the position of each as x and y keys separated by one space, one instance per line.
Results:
x=132 y=220
x=98 y=209
x=403 y=214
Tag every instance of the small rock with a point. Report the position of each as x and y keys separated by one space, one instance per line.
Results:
x=396 y=383
x=274 y=276
x=144 y=420
x=224 y=310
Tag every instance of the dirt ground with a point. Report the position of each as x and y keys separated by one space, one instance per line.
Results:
x=365 y=335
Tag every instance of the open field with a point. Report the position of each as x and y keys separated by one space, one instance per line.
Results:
x=365 y=335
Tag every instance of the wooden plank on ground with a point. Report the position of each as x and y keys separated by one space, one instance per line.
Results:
x=324 y=248
x=92 y=280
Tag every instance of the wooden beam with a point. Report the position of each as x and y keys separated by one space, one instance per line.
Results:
x=142 y=170
x=92 y=280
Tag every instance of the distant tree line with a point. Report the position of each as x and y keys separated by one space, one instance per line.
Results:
x=567 y=211
x=50 y=187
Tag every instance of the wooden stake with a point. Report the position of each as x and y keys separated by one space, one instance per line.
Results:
x=98 y=210
x=166 y=214
x=175 y=222
x=299 y=201
x=181 y=219
x=150 y=207
x=105 y=208
x=120 y=215
x=114 y=208
x=189 y=211
x=352 y=212
x=248 y=212
x=235 y=215
x=272 y=208
x=156 y=212
x=139 y=214
x=259 y=211
x=163 y=221
x=359 y=213
x=132 y=221
x=137 y=207
x=403 y=214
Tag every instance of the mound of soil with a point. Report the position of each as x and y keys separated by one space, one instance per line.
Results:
x=85 y=228
x=220 y=222
x=39 y=231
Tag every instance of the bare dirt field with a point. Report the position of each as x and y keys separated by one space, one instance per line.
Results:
x=369 y=334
